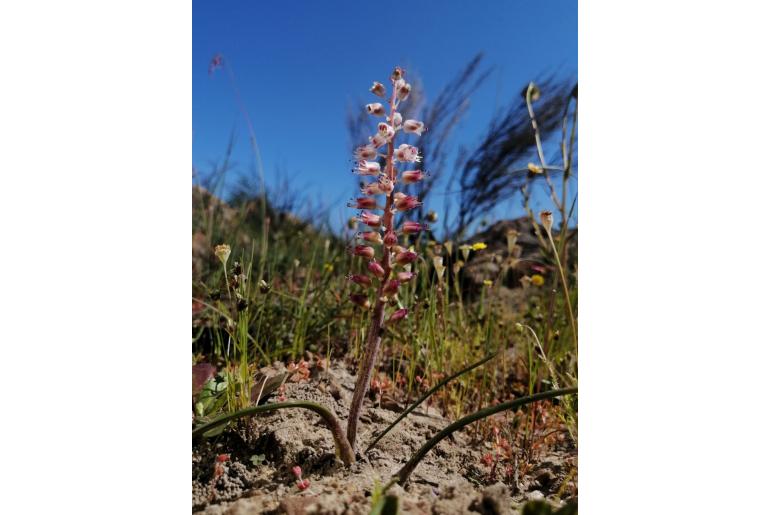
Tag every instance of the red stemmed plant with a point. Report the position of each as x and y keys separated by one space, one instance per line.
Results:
x=392 y=266
x=386 y=271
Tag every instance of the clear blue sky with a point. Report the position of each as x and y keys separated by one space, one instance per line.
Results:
x=300 y=63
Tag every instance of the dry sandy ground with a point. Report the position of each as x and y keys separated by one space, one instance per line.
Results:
x=451 y=480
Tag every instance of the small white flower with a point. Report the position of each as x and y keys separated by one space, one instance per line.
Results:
x=375 y=109
x=396 y=119
x=378 y=140
x=403 y=91
x=407 y=153
x=378 y=89
x=373 y=188
x=413 y=126
x=386 y=185
x=368 y=168
x=365 y=152
x=385 y=130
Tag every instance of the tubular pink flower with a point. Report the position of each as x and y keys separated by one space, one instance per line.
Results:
x=297 y=470
x=414 y=127
x=375 y=268
x=373 y=188
x=378 y=140
x=385 y=130
x=407 y=203
x=360 y=299
x=368 y=168
x=363 y=251
x=410 y=227
x=370 y=219
x=390 y=239
x=405 y=277
x=365 y=152
x=412 y=176
x=363 y=203
x=398 y=74
x=375 y=109
x=397 y=315
x=395 y=120
x=378 y=89
x=363 y=280
x=406 y=257
x=403 y=91
x=371 y=236
x=391 y=287
x=407 y=153
x=386 y=185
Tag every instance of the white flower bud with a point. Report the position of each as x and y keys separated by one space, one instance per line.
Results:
x=403 y=91
x=375 y=109
x=378 y=89
x=365 y=152
x=413 y=126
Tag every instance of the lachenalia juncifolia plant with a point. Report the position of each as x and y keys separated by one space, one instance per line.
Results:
x=388 y=263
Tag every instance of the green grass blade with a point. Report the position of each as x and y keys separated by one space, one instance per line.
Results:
x=343 y=447
x=425 y=396
x=406 y=470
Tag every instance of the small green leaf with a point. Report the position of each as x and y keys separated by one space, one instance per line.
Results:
x=387 y=505
x=257 y=459
x=215 y=431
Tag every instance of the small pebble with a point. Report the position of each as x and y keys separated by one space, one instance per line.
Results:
x=535 y=495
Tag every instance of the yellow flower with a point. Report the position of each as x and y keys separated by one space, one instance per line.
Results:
x=538 y=280
x=329 y=267
x=487 y=282
x=479 y=246
x=532 y=167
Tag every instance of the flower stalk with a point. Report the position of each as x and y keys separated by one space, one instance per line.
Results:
x=391 y=255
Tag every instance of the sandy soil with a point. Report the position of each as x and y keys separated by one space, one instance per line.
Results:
x=451 y=480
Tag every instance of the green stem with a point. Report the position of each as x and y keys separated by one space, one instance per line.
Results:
x=344 y=449
x=227 y=283
x=430 y=392
x=565 y=288
x=539 y=145
x=402 y=475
